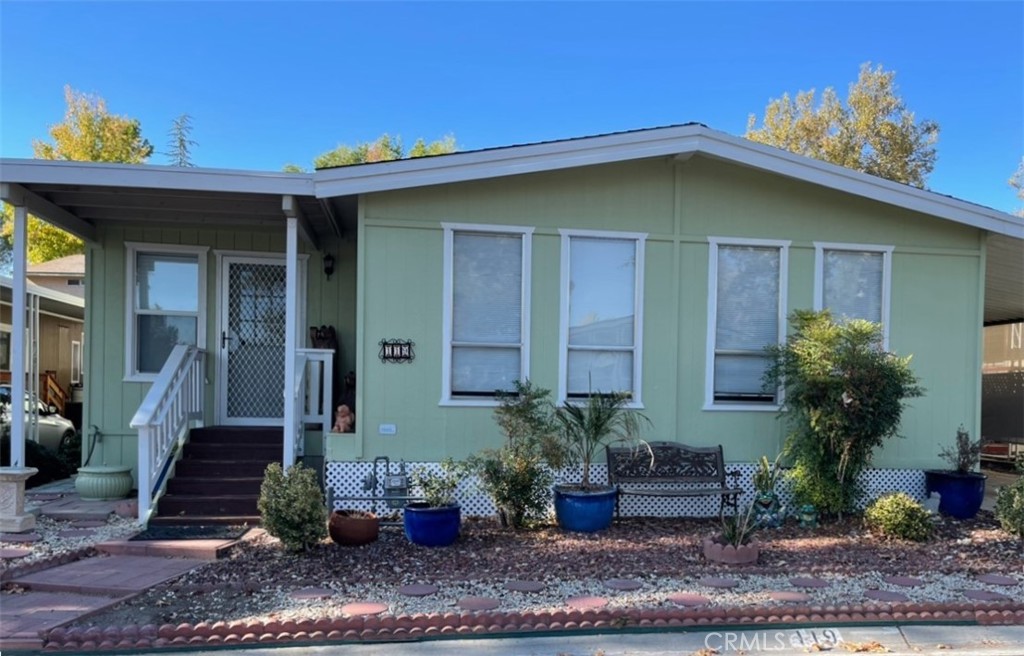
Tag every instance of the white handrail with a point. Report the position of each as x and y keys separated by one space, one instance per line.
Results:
x=163 y=419
x=293 y=434
x=317 y=408
x=312 y=395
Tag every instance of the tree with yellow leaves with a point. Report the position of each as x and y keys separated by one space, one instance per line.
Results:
x=89 y=133
x=873 y=131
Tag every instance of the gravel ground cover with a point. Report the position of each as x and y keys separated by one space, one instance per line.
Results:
x=259 y=581
x=58 y=539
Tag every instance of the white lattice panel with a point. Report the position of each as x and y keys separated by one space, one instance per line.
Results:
x=348 y=478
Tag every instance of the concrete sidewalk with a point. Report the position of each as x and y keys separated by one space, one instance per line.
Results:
x=898 y=640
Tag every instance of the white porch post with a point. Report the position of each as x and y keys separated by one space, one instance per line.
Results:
x=19 y=312
x=290 y=325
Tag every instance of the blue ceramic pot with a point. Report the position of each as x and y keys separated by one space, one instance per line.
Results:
x=432 y=527
x=961 y=494
x=584 y=512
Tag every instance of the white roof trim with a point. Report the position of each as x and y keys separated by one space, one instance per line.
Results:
x=45 y=292
x=497 y=162
x=680 y=141
x=102 y=174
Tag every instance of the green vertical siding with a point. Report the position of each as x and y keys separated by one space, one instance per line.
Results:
x=390 y=279
x=110 y=401
x=937 y=272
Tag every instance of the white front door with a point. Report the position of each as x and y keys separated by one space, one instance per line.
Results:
x=251 y=338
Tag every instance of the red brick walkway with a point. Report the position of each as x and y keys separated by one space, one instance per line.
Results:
x=46 y=599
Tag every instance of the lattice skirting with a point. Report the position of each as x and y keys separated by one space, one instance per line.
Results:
x=349 y=479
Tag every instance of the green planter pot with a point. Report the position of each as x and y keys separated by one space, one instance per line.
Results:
x=104 y=483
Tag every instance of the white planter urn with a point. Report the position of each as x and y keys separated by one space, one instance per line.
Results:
x=104 y=482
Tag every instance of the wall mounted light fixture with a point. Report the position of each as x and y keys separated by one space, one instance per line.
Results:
x=328 y=265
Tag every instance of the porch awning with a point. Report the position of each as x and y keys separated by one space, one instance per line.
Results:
x=78 y=196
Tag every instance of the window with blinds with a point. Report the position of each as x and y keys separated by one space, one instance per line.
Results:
x=486 y=311
x=852 y=281
x=747 y=304
x=601 y=313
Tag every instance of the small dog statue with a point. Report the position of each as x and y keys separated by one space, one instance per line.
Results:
x=344 y=420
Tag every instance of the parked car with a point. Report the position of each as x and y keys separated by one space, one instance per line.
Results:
x=54 y=430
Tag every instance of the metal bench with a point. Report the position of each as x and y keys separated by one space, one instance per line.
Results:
x=700 y=469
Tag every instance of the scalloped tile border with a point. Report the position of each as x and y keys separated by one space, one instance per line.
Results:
x=384 y=628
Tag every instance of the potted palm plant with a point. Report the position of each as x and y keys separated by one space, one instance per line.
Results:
x=435 y=521
x=961 y=489
x=735 y=545
x=584 y=429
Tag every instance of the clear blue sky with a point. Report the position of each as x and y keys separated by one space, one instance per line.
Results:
x=273 y=83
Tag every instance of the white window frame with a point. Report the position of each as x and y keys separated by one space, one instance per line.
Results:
x=6 y=328
x=640 y=242
x=132 y=249
x=819 y=276
x=76 y=361
x=714 y=243
x=526 y=235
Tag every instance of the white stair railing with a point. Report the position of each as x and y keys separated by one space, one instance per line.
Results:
x=319 y=391
x=313 y=391
x=164 y=418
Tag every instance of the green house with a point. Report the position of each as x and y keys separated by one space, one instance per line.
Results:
x=654 y=262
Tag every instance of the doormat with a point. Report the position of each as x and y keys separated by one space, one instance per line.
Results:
x=202 y=532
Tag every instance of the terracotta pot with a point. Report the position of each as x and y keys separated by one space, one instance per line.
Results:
x=730 y=555
x=353 y=528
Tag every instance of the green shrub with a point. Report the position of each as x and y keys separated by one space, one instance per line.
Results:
x=899 y=516
x=844 y=396
x=51 y=468
x=439 y=488
x=70 y=452
x=965 y=454
x=517 y=482
x=292 y=506
x=516 y=476
x=1009 y=509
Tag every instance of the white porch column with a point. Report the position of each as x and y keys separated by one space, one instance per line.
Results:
x=19 y=312
x=290 y=325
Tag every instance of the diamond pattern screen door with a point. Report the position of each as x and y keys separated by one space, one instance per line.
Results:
x=251 y=341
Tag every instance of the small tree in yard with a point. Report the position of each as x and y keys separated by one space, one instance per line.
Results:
x=516 y=476
x=844 y=396
x=291 y=506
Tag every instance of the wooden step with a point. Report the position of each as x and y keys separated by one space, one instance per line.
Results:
x=200 y=486
x=199 y=520
x=177 y=505
x=229 y=451
x=246 y=435
x=220 y=468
